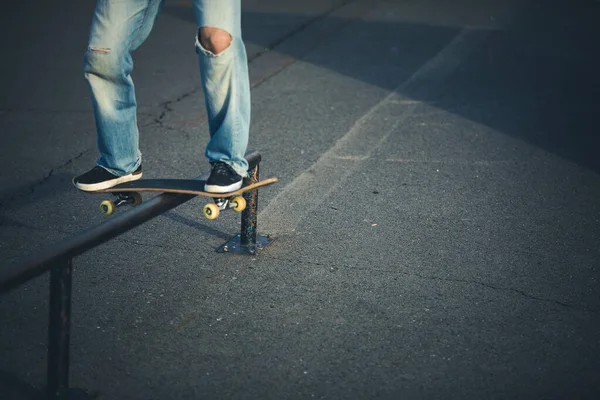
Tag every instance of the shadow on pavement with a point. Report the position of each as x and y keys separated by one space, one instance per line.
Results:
x=12 y=388
x=197 y=225
x=532 y=78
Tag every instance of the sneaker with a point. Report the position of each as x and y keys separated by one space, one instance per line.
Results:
x=98 y=179
x=222 y=179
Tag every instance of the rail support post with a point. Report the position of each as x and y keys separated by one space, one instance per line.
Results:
x=59 y=330
x=249 y=241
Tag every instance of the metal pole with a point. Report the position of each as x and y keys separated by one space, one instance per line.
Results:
x=59 y=326
x=248 y=226
x=249 y=241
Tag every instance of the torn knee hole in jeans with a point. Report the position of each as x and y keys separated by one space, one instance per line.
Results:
x=103 y=50
x=213 y=41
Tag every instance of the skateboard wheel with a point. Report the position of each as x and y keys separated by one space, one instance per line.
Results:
x=211 y=211
x=107 y=207
x=240 y=203
x=137 y=199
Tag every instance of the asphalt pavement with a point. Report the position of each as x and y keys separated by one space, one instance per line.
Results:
x=437 y=215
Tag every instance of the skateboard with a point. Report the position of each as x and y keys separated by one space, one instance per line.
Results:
x=128 y=193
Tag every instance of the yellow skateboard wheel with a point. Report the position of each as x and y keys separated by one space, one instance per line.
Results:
x=107 y=207
x=211 y=211
x=240 y=203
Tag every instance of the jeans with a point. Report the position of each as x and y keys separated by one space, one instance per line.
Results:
x=118 y=28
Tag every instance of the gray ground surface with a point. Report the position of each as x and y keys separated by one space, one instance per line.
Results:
x=437 y=215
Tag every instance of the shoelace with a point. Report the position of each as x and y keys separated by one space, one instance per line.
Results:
x=221 y=169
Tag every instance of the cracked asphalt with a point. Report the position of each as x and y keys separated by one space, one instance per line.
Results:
x=437 y=215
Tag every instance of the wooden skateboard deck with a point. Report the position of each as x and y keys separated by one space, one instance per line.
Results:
x=128 y=193
x=184 y=186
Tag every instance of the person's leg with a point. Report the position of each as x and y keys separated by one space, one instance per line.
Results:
x=224 y=74
x=118 y=28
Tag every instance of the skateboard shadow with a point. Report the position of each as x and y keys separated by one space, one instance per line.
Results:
x=173 y=216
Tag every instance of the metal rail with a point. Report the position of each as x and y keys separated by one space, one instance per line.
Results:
x=58 y=260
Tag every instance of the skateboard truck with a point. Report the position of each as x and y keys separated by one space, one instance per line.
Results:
x=121 y=199
x=237 y=204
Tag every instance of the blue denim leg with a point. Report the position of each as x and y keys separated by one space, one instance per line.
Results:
x=226 y=85
x=118 y=28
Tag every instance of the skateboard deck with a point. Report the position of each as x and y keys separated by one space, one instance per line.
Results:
x=129 y=193
x=184 y=186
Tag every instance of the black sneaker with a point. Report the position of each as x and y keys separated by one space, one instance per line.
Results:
x=98 y=179
x=222 y=179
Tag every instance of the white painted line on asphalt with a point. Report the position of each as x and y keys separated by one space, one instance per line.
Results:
x=451 y=162
x=305 y=193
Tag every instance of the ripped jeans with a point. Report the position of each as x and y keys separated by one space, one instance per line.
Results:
x=118 y=28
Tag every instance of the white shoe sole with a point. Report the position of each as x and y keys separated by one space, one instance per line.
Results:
x=94 y=187
x=223 y=189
